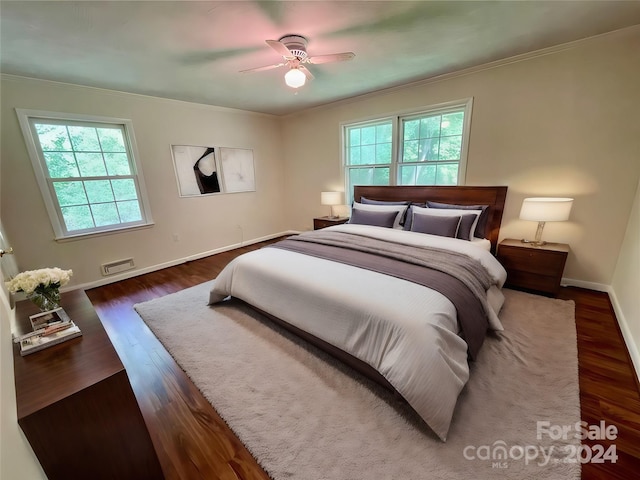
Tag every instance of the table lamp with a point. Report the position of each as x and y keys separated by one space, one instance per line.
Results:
x=331 y=198
x=543 y=210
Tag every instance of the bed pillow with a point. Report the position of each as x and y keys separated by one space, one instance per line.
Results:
x=409 y=214
x=399 y=209
x=368 y=201
x=376 y=219
x=443 y=226
x=467 y=225
x=481 y=226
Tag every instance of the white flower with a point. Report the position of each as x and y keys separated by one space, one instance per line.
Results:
x=31 y=279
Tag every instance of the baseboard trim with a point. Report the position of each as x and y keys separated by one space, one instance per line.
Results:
x=632 y=347
x=572 y=282
x=173 y=263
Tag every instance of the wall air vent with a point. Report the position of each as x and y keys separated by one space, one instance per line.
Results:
x=118 y=266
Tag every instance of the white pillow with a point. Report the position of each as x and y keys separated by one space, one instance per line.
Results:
x=449 y=212
x=385 y=208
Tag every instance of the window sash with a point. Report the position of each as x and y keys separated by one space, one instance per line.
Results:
x=128 y=206
x=444 y=171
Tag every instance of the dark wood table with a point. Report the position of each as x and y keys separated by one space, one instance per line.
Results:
x=76 y=406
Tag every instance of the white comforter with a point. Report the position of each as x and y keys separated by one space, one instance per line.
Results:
x=407 y=332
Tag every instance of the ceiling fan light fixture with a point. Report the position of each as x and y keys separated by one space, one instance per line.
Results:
x=295 y=78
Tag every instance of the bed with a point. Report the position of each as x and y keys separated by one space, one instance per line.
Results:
x=408 y=309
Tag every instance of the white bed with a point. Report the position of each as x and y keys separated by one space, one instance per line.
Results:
x=407 y=332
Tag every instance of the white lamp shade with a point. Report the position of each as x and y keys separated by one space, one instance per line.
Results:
x=295 y=78
x=331 y=198
x=546 y=209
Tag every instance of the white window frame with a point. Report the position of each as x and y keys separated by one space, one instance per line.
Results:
x=46 y=186
x=397 y=137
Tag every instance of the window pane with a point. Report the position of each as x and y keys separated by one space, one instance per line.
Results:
x=53 y=137
x=452 y=123
x=70 y=193
x=117 y=164
x=383 y=153
x=84 y=139
x=91 y=164
x=99 y=191
x=426 y=175
x=124 y=189
x=354 y=156
x=111 y=140
x=407 y=175
x=411 y=129
x=77 y=218
x=368 y=154
x=381 y=176
x=450 y=148
x=410 y=151
x=354 y=136
x=105 y=214
x=361 y=176
x=429 y=149
x=129 y=211
x=430 y=127
x=368 y=135
x=384 y=133
x=447 y=174
x=61 y=165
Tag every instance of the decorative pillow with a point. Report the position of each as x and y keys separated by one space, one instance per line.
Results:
x=399 y=209
x=377 y=219
x=481 y=225
x=435 y=224
x=409 y=214
x=368 y=201
x=467 y=227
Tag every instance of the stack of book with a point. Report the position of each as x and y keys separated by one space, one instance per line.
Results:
x=49 y=328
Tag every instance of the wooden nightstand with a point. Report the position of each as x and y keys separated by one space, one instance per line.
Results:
x=324 y=222
x=533 y=268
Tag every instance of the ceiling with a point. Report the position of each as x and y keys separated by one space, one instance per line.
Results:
x=194 y=51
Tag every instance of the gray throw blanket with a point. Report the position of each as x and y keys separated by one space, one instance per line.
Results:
x=442 y=270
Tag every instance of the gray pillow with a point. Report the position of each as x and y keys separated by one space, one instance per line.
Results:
x=482 y=219
x=443 y=226
x=369 y=201
x=409 y=214
x=464 y=229
x=376 y=219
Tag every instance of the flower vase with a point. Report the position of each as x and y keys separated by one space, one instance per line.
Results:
x=46 y=298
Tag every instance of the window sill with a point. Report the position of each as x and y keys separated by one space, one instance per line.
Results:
x=83 y=236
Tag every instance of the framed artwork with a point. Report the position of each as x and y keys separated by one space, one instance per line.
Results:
x=205 y=170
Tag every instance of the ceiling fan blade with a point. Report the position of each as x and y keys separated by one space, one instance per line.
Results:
x=306 y=71
x=280 y=47
x=262 y=69
x=334 y=57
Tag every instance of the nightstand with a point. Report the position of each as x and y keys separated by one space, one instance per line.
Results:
x=324 y=222
x=528 y=267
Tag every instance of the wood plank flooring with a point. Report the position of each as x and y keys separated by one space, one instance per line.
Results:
x=193 y=442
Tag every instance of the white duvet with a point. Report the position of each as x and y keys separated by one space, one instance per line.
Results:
x=407 y=332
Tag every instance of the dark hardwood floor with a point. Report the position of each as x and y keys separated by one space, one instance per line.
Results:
x=193 y=442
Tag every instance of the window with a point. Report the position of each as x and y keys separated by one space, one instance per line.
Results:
x=87 y=171
x=425 y=148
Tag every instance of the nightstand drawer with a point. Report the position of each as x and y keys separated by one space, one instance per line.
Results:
x=532 y=281
x=542 y=262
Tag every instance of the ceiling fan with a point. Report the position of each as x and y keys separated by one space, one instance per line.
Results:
x=293 y=49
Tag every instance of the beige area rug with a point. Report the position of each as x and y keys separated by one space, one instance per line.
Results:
x=305 y=416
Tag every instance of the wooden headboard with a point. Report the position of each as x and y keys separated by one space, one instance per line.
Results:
x=492 y=196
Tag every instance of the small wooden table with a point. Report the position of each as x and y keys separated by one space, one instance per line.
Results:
x=76 y=406
x=535 y=268
x=323 y=222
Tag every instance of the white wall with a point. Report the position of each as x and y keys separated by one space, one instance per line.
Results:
x=564 y=123
x=202 y=223
x=626 y=285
